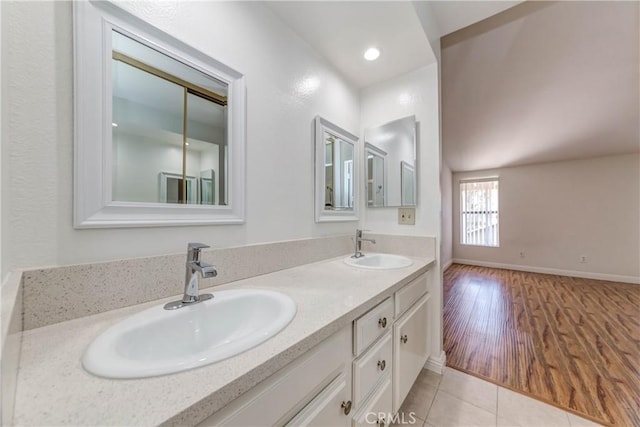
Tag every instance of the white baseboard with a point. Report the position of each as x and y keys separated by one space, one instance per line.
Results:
x=447 y=265
x=436 y=364
x=570 y=273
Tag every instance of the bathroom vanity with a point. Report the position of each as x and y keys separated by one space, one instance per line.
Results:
x=358 y=341
x=358 y=376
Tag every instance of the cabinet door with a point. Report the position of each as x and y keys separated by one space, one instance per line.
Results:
x=331 y=407
x=411 y=349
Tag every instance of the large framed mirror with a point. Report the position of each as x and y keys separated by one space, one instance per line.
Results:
x=390 y=164
x=160 y=126
x=337 y=169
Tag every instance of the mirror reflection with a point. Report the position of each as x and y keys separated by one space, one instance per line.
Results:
x=169 y=128
x=338 y=168
x=375 y=175
x=390 y=166
x=408 y=184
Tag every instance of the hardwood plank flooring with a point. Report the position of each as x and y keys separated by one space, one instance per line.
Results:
x=574 y=343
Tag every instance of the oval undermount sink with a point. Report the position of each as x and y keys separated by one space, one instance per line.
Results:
x=379 y=261
x=158 y=341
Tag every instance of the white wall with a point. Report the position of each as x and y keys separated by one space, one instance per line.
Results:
x=446 y=242
x=542 y=82
x=139 y=181
x=287 y=85
x=558 y=212
x=2 y=214
x=415 y=93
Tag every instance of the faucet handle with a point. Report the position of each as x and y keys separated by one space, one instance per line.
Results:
x=197 y=246
x=193 y=251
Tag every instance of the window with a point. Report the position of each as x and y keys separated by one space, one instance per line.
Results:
x=479 y=212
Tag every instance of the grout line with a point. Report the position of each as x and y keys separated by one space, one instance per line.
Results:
x=431 y=405
x=472 y=403
x=497 y=403
x=468 y=403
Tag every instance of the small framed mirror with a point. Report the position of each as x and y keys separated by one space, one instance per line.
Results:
x=390 y=164
x=337 y=169
x=160 y=126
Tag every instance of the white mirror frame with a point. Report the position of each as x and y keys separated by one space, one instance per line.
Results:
x=93 y=202
x=324 y=215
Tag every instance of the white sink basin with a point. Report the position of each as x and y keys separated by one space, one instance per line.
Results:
x=158 y=341
x=379 y=261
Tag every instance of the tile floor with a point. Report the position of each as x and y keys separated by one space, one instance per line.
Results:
x=456 y=399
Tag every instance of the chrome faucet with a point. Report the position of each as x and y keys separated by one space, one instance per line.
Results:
x=194 y=270
x=359 y=240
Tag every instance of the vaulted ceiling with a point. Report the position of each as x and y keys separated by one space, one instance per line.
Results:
x=522 y=82
x=342 y=30
x=541 y=82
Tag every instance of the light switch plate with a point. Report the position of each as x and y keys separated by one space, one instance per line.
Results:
x=407 y=216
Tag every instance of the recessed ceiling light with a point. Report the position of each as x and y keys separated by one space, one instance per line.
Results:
x=115 y=125
x=372 y=54
x=186 y=143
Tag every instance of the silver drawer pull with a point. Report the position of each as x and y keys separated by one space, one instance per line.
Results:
x=382 y=322
x=346 y=406
x=382 y=364
x=404 y=339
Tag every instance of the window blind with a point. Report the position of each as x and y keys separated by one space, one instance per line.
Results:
x=479 y=212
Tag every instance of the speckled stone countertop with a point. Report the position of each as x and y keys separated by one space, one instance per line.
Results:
x=54 y=389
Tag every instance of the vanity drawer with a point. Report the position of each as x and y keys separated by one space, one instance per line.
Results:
x=411 y=293
x=368 y=369
x=326 y=409
x=372 y=325
x=285 y=393
x=378 y=411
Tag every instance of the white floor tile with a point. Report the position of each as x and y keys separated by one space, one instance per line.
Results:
x=470 y=389
x=577 y=421
x=515 y=409
x=419 y=400
x=450 y=411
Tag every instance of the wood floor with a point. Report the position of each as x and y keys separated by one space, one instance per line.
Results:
x=571 y=342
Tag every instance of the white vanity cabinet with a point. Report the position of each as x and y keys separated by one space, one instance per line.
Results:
x=410 y=349
x=359 y=376
x=371 y=326
x=378 y=409
x=329 y=408
x=315 y=389
x=378 y=394
x=369 y=369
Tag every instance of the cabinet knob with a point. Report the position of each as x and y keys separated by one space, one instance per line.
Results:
x=404 y=339
x=346 y=407
x=382 y=364
x=382 y=322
